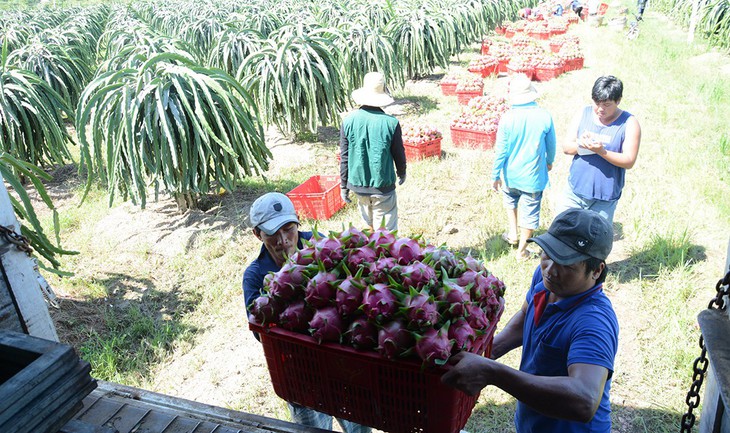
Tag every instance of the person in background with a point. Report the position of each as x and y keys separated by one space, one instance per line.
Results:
x=577 y=7
x=641 y=5
x=525 y=151
x=558 y=9
x=276 y=225
x=372 y=154
x=604 y=141
x=568 y=332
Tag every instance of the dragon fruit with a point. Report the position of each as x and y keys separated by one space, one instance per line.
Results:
x=418 y=275
x=296 y=317
x=495 y=284
x=379 y=303
x=328 y=251
x=320 y=290
x=362 y=334
x=420 y=309
x=382 y=239
x=353 y=238
x=476 y=317
x=454 y=297
x=361 y=257
x=303 y=257
x=406 y=250
x=463 y=335
x=382 y=268
x=442 y=260
x=474 y=264
x=266 y=309
x=348 y=298
x=434 y=346
x=394 y=340
x=326 y=325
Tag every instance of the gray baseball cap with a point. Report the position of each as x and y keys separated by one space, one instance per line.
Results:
x=271 y=211
x=576 y=235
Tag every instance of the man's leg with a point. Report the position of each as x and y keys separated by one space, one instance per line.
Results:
x=510 y=198
x=529 y=220
x=309 y=417
x=351 y=427
x=364 y=203
x=385 y=210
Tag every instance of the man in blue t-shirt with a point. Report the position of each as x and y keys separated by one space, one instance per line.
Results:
x=276 y=225
x=568 y=332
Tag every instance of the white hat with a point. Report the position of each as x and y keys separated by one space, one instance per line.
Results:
x=521 y=90
x=372 y=92
x=271 y=211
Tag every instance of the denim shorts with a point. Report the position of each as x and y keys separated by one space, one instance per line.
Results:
x=527 y=205
x=605 y=208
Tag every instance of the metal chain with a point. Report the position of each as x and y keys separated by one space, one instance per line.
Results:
x=701 y=363
x=20 y=241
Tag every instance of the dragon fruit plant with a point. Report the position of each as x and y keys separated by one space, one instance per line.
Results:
x=420 y=135
x=376 y=291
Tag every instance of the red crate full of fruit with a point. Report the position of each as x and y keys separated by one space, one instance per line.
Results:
x=473 y=139
x=414 y=152
x=397 y=396
x=317 y=198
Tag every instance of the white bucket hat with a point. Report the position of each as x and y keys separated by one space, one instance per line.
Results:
x=372 y=92
x=521 y=90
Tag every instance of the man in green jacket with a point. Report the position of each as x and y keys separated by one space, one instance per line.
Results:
x=372 y=154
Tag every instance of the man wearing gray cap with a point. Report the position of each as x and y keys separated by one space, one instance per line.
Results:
x=568 y=332
x=276 y=225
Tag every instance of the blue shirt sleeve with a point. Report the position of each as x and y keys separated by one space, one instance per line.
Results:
x=501 y=146
x=550 y=143
x=253 y=282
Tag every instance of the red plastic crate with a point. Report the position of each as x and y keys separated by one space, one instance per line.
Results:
x=465 y=97
x=530 y=72
x=414 y=152
x=543 y=36
x=448 y=89
x=473 y=139
x=485 y=72
x=555 y=46
x=500 y=30
x=485 y=49
x=502 y=65
x=547 y=74
x=573 y=64
x=394 y=396
x=317 y=198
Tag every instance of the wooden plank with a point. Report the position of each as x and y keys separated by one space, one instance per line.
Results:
x=76 y=426
x=26 y=385
x=31 y=306
x=70 y=389
x=9 y=319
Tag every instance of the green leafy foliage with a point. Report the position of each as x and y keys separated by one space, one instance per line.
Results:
x=169 y=122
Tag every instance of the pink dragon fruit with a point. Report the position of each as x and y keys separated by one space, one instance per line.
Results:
x=394 y=339
x=463 y=335
x=379 y=303
x=418 y=275
x=296 y=317
x=420 y=309
x=320 y=290
x=476 y=317
x=348 y=298
x=406 y=250
x=303 y=257
x=279 y=287
x=453 y=297
x=434 y=346
x=441 y=259
x=362 y=334
x=496 y=284
x=326 y=325
x=353 y=238
x=474 y=264
x=380 y=269
x=361 y=257
x=382 y=239
x=266 y=309
x=468 y=279
x=328 y=251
